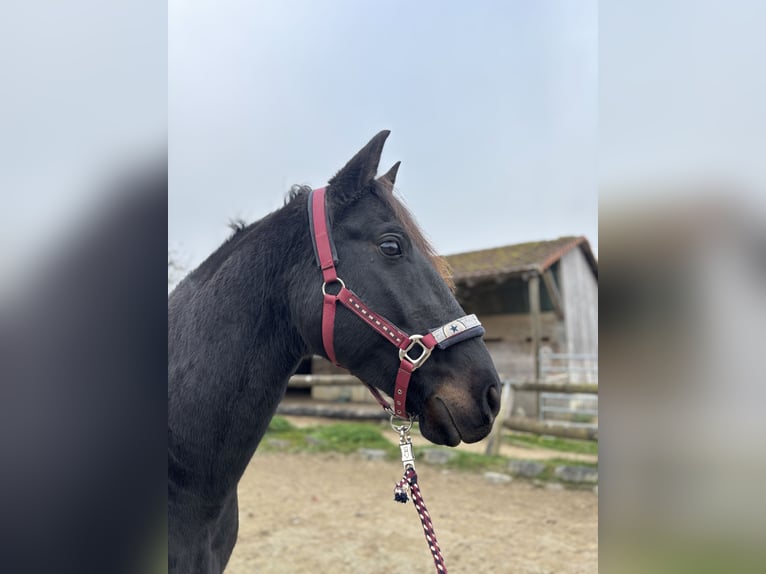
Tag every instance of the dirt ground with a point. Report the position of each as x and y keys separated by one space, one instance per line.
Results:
x=310 y=513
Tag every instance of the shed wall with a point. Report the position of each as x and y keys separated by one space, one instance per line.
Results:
x=579 y=291
x=508 y=341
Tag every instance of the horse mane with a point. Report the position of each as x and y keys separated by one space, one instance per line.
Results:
x=236 y=225
x=299 y=192
x=209 y=266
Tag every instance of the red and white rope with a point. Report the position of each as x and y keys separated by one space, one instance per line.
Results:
x=410 y=478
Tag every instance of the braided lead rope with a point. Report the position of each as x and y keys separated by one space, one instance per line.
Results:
x=410 y=480
x=425 y=519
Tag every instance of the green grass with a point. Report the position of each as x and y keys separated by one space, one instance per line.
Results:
x=341 y=437
x=553 y=443
x=280 y=424
x=349 y=437
x=469 y=461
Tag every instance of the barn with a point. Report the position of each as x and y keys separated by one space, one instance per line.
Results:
x=538 y=302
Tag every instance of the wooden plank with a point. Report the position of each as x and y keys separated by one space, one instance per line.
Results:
x=496 y=434
x=533 y=283
x=553 y=293
x=333 y=411
x=587 y=388
x=537 y=427
x=307 y=381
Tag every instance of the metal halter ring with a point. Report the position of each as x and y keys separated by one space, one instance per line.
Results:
x=402 y=428
x=337 y=280
x=417 y=362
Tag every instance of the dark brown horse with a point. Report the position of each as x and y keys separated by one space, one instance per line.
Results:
x=239 y=325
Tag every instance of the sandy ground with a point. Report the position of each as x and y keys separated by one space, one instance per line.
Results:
x=302 y=513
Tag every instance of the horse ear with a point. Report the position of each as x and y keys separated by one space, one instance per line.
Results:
x=388 y=179
x=359 y=171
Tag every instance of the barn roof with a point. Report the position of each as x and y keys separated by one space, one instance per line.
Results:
x=518 y=258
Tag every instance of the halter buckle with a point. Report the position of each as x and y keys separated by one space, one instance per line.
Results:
x=418 y=361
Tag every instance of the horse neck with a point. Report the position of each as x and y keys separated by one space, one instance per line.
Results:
x=232 y=351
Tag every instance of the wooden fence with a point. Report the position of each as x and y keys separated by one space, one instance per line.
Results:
x=372 y=411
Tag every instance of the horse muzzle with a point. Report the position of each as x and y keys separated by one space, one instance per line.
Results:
x=453 y=414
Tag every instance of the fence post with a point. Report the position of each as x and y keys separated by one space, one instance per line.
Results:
x=496 y=434
x=533 y=284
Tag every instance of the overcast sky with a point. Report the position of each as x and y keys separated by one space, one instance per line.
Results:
x=492 y=105
x=492 y=108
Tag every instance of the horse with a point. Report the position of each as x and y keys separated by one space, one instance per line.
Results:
x=241 y=323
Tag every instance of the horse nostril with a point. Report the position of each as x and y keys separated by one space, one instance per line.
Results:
x=493 y=398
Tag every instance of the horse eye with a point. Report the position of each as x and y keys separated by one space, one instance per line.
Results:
x=390 y=247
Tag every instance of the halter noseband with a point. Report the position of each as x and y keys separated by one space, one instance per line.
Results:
x=460 y=329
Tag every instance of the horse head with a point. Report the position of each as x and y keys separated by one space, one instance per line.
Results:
x=384 y=258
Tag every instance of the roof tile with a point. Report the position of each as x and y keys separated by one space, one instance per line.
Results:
x=513 y=258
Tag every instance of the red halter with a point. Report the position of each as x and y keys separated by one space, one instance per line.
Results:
x=453 y=332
